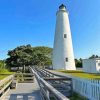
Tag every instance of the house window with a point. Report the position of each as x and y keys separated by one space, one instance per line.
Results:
x=66 y=59
x=65 y=35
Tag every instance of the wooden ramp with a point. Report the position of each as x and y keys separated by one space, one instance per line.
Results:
x=24 y=91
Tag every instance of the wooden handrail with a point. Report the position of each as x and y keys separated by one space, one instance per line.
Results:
x=5 y=85
x=5 y=80
x=57 y=94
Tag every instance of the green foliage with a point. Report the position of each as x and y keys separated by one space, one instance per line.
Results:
x=27 y=55
x=2 y=64
x=19 y=56
x=78 y=63
x=76 y=96
x=42 y=56
x=94 y=56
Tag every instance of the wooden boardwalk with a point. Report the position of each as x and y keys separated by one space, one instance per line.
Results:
x=24 y=91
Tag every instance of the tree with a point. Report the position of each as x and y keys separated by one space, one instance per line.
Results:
x=78 y=63
x=94 y=56
x=19 y=56
x=27 y=55
x=42 y=56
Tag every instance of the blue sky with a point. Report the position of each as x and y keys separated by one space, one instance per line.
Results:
x=33 y=22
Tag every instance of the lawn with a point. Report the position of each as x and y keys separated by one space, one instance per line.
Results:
x=81 y=74
x=76 y=96
x=4 y=73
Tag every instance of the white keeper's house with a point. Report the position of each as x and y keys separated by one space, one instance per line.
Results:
x=91 y=65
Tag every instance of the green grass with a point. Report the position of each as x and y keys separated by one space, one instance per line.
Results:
x=4 y=73
x=76 y=96
x=81 y=74
x=3 y=76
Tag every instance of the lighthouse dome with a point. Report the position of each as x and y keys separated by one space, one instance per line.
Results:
x=62 y=7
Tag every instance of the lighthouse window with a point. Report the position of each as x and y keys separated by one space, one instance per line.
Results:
x=66 y=59
x=98 y=64
x=65 y=35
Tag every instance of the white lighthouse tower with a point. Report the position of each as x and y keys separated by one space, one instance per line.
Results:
x=63 y=57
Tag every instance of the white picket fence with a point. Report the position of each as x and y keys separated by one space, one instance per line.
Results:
x=87 y=87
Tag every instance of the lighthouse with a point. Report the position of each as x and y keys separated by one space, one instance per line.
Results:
x=63 y=56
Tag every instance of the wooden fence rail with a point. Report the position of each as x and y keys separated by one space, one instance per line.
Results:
x=47 y=90
x=5 y=85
